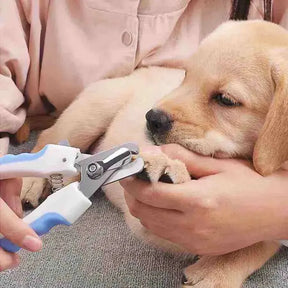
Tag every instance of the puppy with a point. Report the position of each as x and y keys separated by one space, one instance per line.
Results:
x=229 y=101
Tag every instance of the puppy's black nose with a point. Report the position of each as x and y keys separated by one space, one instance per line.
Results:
x=158 y=121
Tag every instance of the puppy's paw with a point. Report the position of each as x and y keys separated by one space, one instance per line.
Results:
x=208 y=272
x=159 y=167
x=33 y=191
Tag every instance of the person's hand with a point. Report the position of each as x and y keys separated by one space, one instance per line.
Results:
x=11 y=226
x=229 y=207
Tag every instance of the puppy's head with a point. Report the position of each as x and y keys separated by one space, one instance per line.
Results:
x=234 y=99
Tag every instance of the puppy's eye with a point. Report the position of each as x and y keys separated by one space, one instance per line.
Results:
x=225 y=100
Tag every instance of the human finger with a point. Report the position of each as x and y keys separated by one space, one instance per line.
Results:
x=10 y=190
x=14 y=229
x=160 y=195
x=8 y=260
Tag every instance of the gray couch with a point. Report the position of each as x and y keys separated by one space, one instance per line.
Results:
x=99 y=251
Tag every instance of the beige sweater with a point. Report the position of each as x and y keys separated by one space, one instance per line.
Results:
x=52 y=49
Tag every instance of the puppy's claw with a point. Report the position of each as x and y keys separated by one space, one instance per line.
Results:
x=158 y=167
x=27 y=205
x=143 y=175
x=184 y=279
x=165 y=178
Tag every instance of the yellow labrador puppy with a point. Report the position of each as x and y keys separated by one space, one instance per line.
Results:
x=231 y=101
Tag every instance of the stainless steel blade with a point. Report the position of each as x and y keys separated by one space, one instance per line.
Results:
x=89 y=186
x=130 y=169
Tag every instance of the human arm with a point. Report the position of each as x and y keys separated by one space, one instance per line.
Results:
x=14 y=65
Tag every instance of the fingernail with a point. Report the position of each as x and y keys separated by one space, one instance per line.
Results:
x=32 y=243
x=151 y=149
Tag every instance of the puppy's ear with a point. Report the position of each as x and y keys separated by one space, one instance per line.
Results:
x=271 y=149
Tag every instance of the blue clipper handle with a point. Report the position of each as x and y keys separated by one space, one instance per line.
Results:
x=23 y=157
x=41 y=226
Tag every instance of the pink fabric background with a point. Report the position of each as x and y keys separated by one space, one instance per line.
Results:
x=55 y=48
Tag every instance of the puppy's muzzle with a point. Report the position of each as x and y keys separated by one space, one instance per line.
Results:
x=158 y=122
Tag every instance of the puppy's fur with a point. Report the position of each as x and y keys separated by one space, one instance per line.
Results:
x=247 y=62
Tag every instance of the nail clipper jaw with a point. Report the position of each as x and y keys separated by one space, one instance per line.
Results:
x=132 y=147
x=107 y=167
x=115 y=161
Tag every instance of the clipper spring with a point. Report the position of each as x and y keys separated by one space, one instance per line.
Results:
x=56 y=181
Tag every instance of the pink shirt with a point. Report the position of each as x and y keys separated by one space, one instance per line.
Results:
x=54 y=48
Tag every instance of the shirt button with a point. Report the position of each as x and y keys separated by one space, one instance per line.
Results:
x=127 y=38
